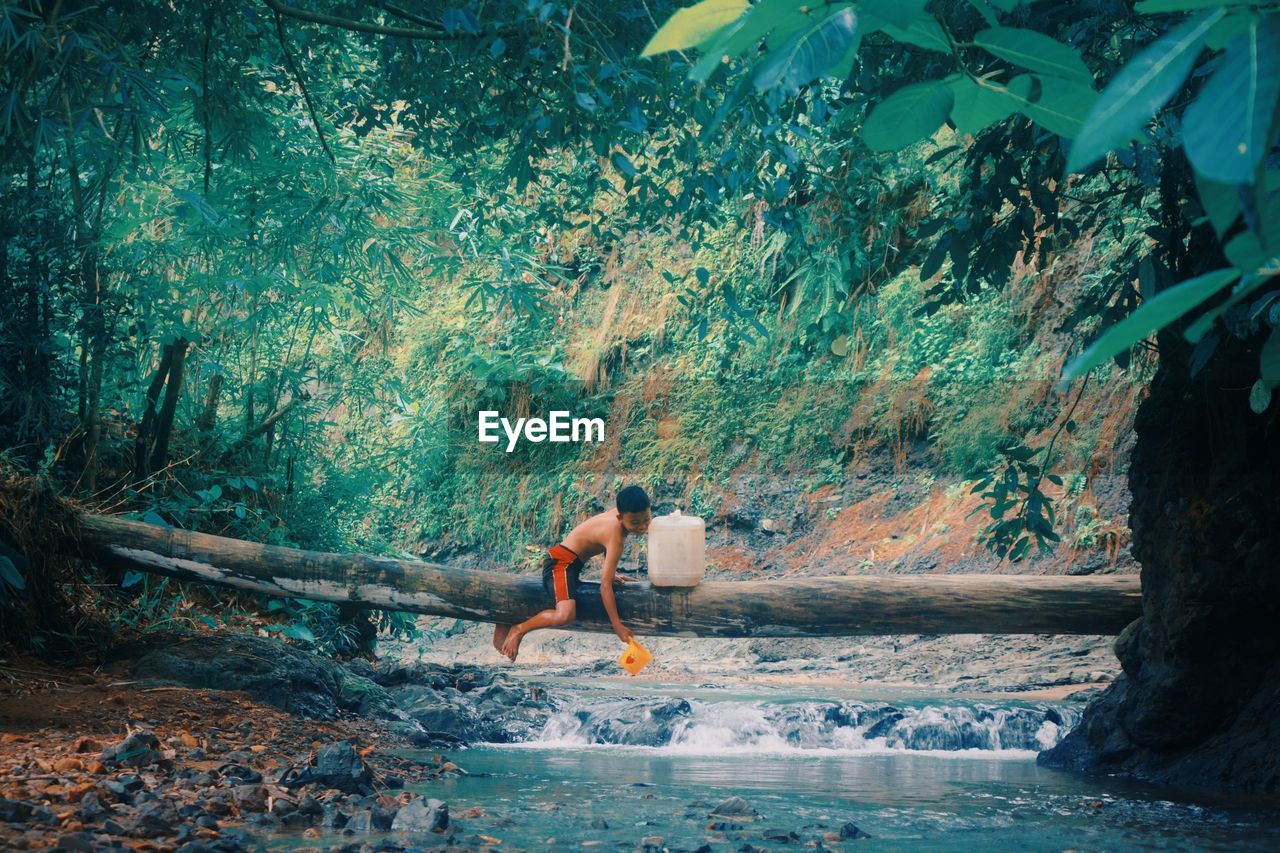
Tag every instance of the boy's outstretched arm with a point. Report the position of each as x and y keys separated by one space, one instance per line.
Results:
x=613 y=551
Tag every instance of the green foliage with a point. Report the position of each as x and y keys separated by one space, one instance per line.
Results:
x=1015 y=488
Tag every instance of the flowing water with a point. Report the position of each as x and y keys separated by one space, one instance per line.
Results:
x=615 y=766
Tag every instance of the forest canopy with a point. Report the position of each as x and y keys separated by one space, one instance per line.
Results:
x=262 y=261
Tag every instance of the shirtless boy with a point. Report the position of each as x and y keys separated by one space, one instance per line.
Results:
x=601 y=534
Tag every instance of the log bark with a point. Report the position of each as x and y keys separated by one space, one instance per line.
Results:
x=794 y=607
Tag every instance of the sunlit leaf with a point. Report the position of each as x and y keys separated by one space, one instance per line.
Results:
x=694 y=25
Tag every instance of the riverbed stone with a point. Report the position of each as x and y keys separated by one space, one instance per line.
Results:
x=337 y=765
x=154 y=819
x=735 y=807
x=850 y=830
x=137 y=750
x=421 y=816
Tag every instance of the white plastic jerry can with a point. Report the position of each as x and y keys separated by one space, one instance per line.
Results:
x=677 y=550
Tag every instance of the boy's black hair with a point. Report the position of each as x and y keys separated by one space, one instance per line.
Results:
x=632 y=499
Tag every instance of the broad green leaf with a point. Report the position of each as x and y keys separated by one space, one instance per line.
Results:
x=924 y=32
x=1154 y=314
x=978 y=105
x=1221 y=203
x=908 y=115
x=1140 y=88
x=808 y=54
x=766 y=19
x=1225 y=131
x=1245 y=251
x=1159 y=7
x=9 y=574
x=1259 y=397
x=1269 y=362
x=695 y=25
x=1225 y=31
x=1248 y=284
x=899 y=13
x=1035 y=52
x=299 y=632
x=1059 y=106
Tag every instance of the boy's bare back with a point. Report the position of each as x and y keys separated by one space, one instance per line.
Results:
x=596 y=535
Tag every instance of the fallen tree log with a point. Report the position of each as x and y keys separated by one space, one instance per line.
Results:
x=790 y=607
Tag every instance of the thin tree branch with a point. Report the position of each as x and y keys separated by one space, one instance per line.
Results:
x=405 y=14
x=357 y=26
x=306 y=95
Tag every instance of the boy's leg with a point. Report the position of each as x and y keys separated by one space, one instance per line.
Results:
x=500 y=635
x=563 y=614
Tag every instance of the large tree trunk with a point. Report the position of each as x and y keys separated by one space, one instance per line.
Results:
x=799 y=607
x=1199 y=701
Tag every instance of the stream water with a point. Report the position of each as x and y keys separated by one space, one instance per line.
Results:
x=617 y=765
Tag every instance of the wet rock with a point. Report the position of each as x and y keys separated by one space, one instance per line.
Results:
x=232 y=840
x=361 y=821
x=241 y=772
x=383 y=818
x=422 y=815
x=113 y=791
x=365 y=697
x=309 y=805
x=249 y=798
x=652 y=843
x=14 y=811
x=154 y=819
x=91 y=807
x=337 y=765
x=281 y=675
x=76 y=841
x=282 y=807
x=735 y=807
x=599 y=823
x=851 y=830
x=113 y=827
x=783 y=836
x=43 y=816
x=137 y=750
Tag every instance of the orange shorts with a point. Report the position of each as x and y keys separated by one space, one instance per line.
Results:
x=560 y=573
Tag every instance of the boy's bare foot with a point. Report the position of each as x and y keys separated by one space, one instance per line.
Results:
x=511 y=646
x=500 y=636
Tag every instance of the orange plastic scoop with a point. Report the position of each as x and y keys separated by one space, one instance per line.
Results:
x=635 y=658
